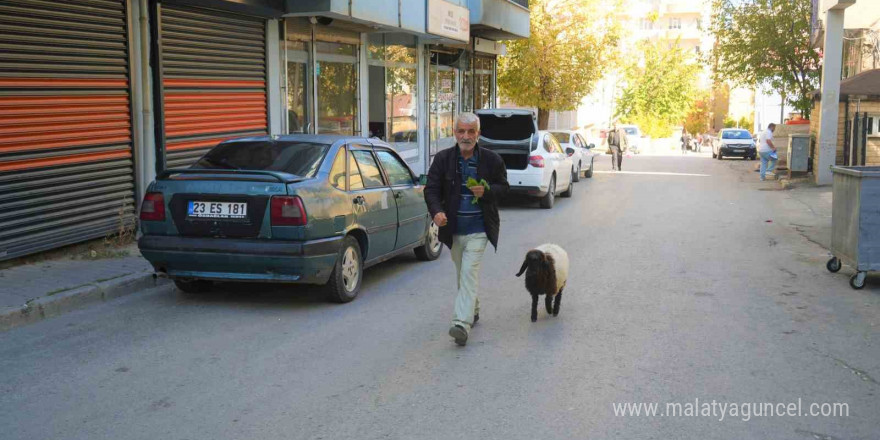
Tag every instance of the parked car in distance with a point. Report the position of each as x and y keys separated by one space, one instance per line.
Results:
x=734 y=142
x=536 y=164
x=315 y=209
x=578 y=150
x=633 y=137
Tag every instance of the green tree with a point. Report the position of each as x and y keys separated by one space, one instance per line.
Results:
x=659 y=90
x=766 y=43
x=570 y=43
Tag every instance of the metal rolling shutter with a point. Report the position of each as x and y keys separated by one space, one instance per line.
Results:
x=213 y=67
x=65 y=123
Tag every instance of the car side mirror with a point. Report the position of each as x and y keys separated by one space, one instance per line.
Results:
x=569 y=151
x=591 y=146
x=423 y=179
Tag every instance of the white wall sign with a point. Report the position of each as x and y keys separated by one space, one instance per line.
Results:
x=448 y=20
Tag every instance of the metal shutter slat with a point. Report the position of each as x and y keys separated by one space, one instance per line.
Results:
x=213 y=69
x=66 y=169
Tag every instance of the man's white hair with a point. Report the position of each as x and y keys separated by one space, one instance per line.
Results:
x=467 y=118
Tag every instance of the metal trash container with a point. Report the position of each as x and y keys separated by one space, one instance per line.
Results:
x=855 y=221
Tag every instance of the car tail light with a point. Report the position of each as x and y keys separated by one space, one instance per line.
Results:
x=153 y=208
x=536 y=161
x=287 y=211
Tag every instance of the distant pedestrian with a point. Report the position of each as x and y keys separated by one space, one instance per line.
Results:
x=617 y=142
x=685 y=140
x=467 y=215
x=767 y=151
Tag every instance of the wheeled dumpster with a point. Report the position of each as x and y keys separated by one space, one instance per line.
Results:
x=855 y=221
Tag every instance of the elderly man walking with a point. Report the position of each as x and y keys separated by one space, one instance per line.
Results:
x=467 y=215
x=617 y=142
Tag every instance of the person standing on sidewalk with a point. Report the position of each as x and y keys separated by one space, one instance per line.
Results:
x=767 y=151
x=685 y=141
x=466 y=226
x=617 y=144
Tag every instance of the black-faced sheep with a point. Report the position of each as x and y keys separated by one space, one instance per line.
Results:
x=546 y=269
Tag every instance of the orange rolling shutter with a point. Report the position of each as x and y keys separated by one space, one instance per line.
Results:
x=65 y=123
x=213 y=68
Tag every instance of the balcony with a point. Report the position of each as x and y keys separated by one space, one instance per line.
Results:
x=499 y=19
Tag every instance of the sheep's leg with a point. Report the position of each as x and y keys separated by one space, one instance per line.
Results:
x=534 y=308
x=548 y=302
x=556 y=304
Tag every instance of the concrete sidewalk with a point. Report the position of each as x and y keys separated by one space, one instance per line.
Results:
x=30 y=292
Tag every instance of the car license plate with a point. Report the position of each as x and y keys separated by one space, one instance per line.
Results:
x=216 y=209
x=739 y=150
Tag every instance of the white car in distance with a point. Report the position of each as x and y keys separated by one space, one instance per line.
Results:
x=576 y=147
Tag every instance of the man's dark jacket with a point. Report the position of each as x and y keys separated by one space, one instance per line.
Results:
x=443 y=192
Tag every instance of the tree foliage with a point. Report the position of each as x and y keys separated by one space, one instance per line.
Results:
x=660 y=88
x=766 y=43
x=697 y=121
x=570 y=42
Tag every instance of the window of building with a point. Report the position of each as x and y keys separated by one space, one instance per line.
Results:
x=443 y=83
x=646 y=24
x=873 y=125
x=675 y=23
x=484 y=82
x=393 y=92
x=336 y=76
x=298 y=86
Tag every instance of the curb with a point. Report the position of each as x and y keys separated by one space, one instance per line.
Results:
x=69 y=300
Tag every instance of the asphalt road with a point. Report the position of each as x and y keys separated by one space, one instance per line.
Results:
x=680 y=290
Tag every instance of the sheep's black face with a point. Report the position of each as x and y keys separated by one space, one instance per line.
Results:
x=532 y=264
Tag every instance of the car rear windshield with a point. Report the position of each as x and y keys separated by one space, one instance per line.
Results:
x=506 y=127
x=561 y=137
x=298 y=158
x=736 y=134
x=632 y=131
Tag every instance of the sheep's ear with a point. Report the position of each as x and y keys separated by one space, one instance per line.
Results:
x=523 y=268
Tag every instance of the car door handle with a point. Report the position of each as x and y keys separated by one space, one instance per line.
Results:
x=359 y=200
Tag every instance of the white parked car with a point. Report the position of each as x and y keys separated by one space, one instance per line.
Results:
x=633 y=137
x=734 y=142
x=575 y=146
x=536 y=164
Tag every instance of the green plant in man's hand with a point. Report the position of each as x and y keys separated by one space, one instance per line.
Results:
x=473 y=182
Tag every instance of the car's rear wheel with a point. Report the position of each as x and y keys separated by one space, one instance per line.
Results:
x=193 y=286
x=345 y=281
x=548 y=200
x=577 y=174
x=432 y=248
x=570 y=189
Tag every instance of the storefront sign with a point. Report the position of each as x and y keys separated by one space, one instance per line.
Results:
x=448 y=20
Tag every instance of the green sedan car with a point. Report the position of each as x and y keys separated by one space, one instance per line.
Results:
x=312 y=209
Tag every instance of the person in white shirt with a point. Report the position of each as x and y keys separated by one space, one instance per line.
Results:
x=767 y=150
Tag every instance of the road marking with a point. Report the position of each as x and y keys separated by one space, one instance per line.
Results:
x=652 y=173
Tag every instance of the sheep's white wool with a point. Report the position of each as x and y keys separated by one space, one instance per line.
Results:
x=561 y=258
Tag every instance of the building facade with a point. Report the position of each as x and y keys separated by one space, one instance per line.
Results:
x=97 y=96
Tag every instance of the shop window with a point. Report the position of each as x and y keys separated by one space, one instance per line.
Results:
x=337 y=87
x=393 y=92
x=484 y=82
x=298 y=102
x=443 y=101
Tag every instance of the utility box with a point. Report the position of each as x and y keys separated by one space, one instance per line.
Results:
x=798 y=152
